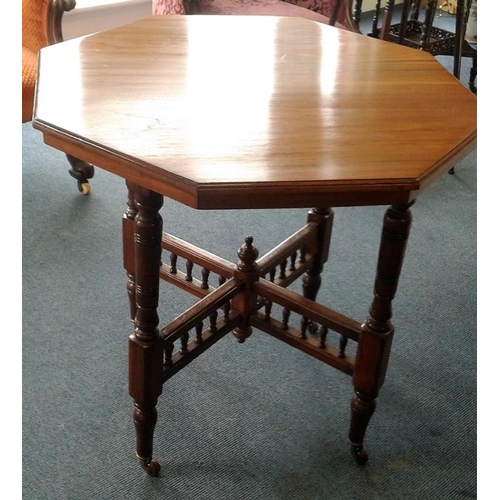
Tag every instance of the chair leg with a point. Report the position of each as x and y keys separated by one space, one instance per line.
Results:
x=82 y=172
x=473 y=74
x=375 y=33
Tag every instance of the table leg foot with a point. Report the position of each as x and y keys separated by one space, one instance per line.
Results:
x=359 y=454
x=152 y=467
x=242 y=333
x=145 y=421
x=362 y=409
x=312 y=327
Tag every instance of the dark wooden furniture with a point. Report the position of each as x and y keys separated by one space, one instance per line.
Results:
x=322 y=11
x=421 y=33
x=41 y=23
x=416 y=30
x=173 y=108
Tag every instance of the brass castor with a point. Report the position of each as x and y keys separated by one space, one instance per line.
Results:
x=152 y=467
x=359 y=454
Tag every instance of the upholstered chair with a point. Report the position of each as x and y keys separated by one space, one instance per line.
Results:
x=335 y=12
x=41 y=23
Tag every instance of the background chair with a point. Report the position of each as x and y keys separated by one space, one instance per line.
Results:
x=420 y=32
x=417 y=28
x=42 y=27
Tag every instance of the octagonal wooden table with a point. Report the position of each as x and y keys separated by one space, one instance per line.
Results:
x=222 y=112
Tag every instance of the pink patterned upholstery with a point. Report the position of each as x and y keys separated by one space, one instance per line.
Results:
x=323 y=7
x=164 y=7
x=316 y=10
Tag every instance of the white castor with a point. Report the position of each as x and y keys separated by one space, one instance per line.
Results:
x=84 y=188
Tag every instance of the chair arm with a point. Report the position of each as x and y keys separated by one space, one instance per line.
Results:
x=41 y=22
x=54 y=18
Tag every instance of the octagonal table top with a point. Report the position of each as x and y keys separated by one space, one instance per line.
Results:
x=255 y=112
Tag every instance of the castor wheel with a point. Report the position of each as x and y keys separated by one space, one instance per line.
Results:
x=84 y=188
x=451 y=171
x=359 y=454
x=312 y=327
x=152 y=467
x=82 y=172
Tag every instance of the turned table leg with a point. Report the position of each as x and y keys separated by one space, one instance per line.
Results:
x=128 y=248
x=377 y=331
x=145 y=345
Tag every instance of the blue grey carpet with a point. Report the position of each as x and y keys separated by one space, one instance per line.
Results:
x=258 y=421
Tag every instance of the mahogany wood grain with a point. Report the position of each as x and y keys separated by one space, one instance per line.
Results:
x=327 y=122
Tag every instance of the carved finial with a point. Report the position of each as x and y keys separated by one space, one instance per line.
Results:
x=248 y=255
x=248 y=272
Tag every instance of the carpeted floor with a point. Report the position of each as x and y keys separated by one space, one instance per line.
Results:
x=258 y=421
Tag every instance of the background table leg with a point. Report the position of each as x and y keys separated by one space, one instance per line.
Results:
x=376 y=333
x=311 y=281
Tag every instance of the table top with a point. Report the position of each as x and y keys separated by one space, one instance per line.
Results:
x=255 y=112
